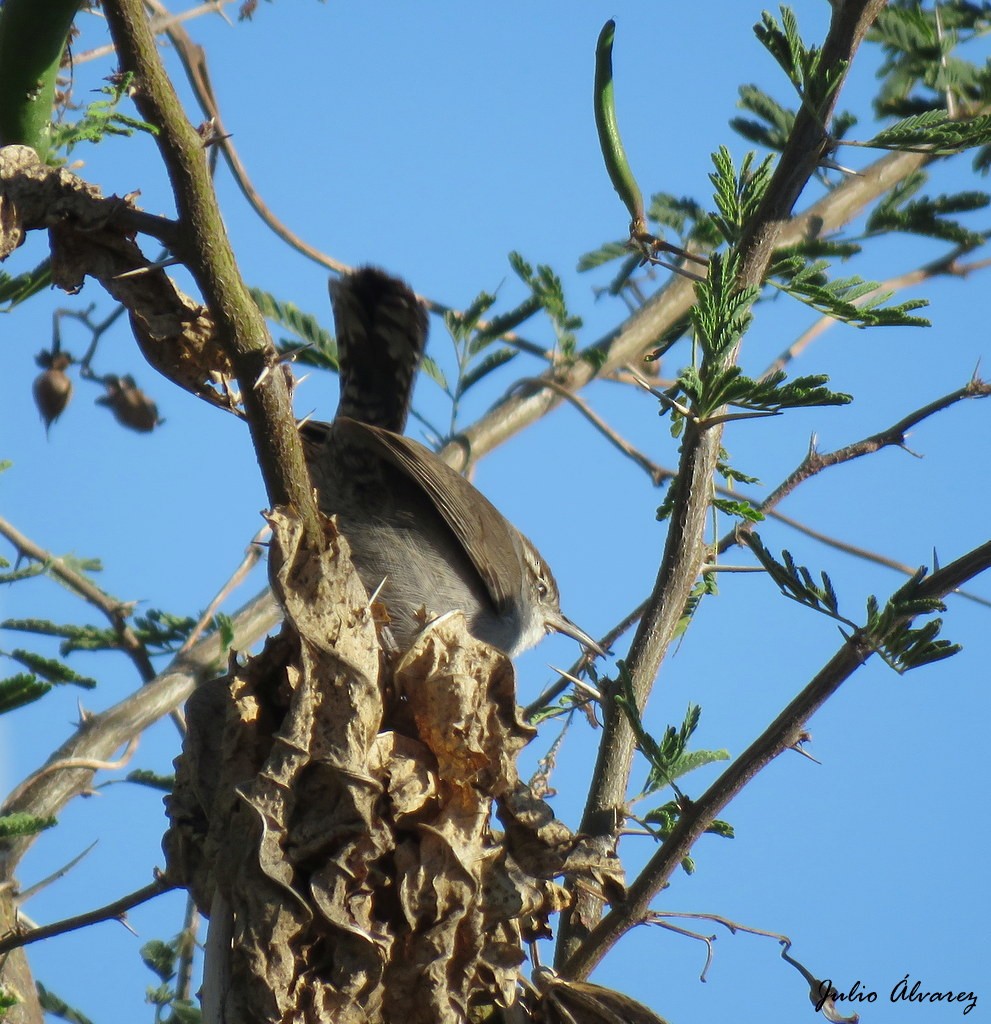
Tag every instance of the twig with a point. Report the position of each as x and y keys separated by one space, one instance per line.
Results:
x=158 y=26
x=612 y=436
x=814 y=462
x=252 y=555
x=85 y=317
x=25 y=894
x=657 y=473
x=194 y=62
x=707 y=939
x=660 y=474
x=112 y=911
x=115 y=611
x=193 y=59
x=187 y=949
x=553 y=691
x=846 y=548
x=205 y=248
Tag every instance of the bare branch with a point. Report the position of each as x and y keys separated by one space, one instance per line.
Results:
x=814 y=462
x=112 y=911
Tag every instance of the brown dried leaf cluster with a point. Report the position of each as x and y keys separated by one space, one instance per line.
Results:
x=339 y=801
x=94 y=236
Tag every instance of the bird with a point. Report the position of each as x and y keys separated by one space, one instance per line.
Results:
x=422 y=537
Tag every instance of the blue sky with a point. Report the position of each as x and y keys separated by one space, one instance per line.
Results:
x=432 y=140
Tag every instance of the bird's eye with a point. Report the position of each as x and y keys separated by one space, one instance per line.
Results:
x=541 y=589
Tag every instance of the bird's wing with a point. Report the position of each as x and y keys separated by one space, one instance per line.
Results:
x=460 y=504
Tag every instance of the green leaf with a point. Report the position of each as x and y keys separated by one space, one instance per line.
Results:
x=704 y=587
x=77 y=638
x=162 y=631
x=852 y=300
x=185 y=1012
x=13 y=825
x=547 y=289
x=20 y=689
x=225 y=627
x=814 y=81
x=484 y=367
x=101 y=118
x=731 y=475
x=322 y=348
x=737 y=193
x=144 y=777
x=506 y=322
x=922 y=65
x=58 y=1007
x=160 y=958
x=50 y=669
x=900 y=644
x=929 y=217
x=429 y=366
x=934 y=131
x=15 y=290
x=668 y=758
x=740 y=509
x=604 y=254
x=27 y=572
x=721 y=828
x=795 y=581
x=775 y=122
x=721 y=314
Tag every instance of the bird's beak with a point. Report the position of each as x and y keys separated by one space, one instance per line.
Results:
x=562 y=624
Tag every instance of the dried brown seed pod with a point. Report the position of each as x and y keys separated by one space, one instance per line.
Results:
x=131 y=407
x=52 y=388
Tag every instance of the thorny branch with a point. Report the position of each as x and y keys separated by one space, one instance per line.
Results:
x=204 y=247
x=779 y=736
x=117 y=910
x=685 y=548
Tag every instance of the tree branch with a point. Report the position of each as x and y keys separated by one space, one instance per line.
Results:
x=116 y=611
x=100 y=735
x=780 y=735
x=685 y=549
x=204 y=247
x=112 y=911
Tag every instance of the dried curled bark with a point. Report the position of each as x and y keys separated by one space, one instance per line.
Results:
x=94 y=236
x=340 y=800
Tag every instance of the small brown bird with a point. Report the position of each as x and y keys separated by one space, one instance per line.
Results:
x=420 y=534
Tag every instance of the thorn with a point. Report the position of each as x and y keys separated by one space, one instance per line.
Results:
x=580 y=683
x=138 y=271
x=804 y=753
x=374 y=596
x=832 y=165
x=127 y=924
